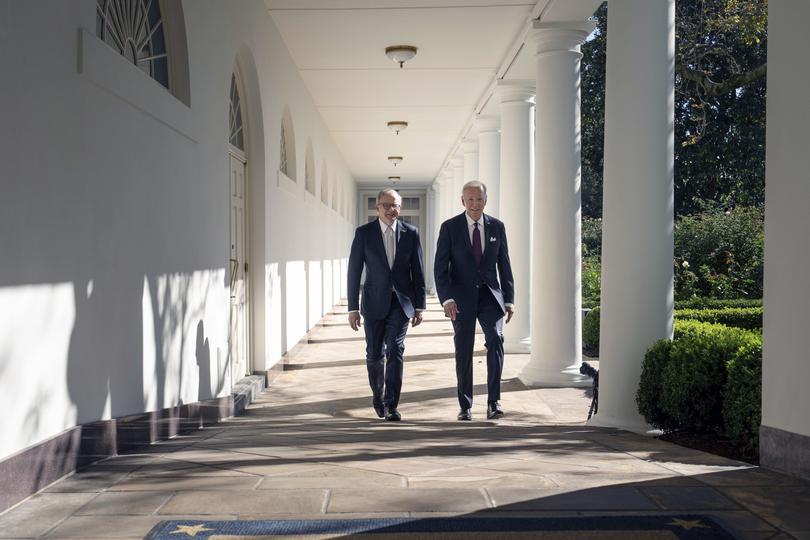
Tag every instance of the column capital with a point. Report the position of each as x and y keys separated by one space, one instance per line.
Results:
x=515 y=90
x=469 y=147
x=563 y=36
x=487 y=124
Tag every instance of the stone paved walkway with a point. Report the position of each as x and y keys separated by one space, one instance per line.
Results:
x=311 y=447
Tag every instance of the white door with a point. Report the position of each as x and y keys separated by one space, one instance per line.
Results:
x=238 y=268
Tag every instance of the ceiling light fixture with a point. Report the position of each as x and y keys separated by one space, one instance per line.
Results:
x=394 y=179
x=400 y=53
x=395 y=160
x=397 y=125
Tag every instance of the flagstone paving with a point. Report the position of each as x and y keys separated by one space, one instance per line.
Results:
x=311 y=447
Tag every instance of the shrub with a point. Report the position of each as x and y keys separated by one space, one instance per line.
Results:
x=591 y=233
x=694 y=379
x=717 y=303
x=742 y=398
x=719 y=254
x=749 y=318
x=591 y=272
x=590 y=330
x=650 y=387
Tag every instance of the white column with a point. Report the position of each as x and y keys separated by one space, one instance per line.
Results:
x=785 y=432
x=556 y=274
x=489 y=161
x=470 y=151
x=447 y=191
x=516 y=171
x=456 y=206
x=428 y=235
x=637 y=215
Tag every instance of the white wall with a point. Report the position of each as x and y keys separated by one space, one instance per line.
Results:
x=786 y=370
x=114 y=216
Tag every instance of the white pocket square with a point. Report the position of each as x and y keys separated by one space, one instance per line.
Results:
x=491 y=238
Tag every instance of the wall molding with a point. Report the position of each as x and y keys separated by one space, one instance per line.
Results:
x=784 y=451
x=38 y=466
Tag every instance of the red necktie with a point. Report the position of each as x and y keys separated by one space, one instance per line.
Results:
x=476 y=241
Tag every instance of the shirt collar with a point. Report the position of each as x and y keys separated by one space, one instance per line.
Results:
x=383 y=226
x=470 y=220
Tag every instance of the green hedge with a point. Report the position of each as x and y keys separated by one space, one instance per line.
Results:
x=749 y=318
x=717 y=303
x=742 y=398
x=708 y=380
x=590 y=330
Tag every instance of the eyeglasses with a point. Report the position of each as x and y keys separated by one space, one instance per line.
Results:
x=389 y=206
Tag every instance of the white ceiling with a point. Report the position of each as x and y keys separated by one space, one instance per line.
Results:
x=464 y=46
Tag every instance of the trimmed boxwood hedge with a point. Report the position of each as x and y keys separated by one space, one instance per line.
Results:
x=590 y=330
x=739 y=317
x=749 y=318
x=717 y=303
x=742 y=398
x=706 y=380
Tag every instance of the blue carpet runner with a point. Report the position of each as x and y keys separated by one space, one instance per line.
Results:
x=639 y=527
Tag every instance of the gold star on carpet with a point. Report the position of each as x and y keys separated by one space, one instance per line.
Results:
x=191 y=530
x=688 y=525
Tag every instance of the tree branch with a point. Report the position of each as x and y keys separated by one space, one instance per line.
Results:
x=712 y=88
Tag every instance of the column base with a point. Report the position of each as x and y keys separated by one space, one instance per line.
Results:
x=517 y=346
x=633 y=424
x=568 y=377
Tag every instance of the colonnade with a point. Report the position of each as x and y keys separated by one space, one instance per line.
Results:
x=529 y=158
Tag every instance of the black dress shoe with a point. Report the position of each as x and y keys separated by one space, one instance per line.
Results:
x=379 y=408
x=494 y=410
x=465 y=414
x=392 y=415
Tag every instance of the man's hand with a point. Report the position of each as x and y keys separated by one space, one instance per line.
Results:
x=354 y=320
x=451 y=310
x=509 y=313
x=417 y=319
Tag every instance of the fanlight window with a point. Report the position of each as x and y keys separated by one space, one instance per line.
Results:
x=324 y=185
x=134 y=28
x=309 y=169
x=237 y=136
x=287 y=144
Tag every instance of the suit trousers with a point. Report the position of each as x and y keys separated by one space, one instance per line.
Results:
x=490 y=316
x=385 y=341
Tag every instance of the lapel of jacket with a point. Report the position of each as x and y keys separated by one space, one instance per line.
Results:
x=489 y=232
x=464 y=230
x=377 y=234
x=401 y=232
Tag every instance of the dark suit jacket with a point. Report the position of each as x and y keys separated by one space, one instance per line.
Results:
x=407 y=278
x=456 y=274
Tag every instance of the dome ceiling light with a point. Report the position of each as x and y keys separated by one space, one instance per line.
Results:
x=397 y=125
x=395 y=160
x=400 y=53
x=394 y=179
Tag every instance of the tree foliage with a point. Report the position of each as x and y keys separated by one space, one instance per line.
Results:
x=719 y=106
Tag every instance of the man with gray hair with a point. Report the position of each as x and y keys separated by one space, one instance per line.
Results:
x=471 y=254
x=393 y=293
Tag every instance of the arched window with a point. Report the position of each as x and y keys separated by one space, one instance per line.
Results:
x=151 y=35
x=309 y=168
x=237 y=136
x=287 y=153
x=324 y=184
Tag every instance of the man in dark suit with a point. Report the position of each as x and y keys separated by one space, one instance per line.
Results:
x=470 y=254
x=393 y=293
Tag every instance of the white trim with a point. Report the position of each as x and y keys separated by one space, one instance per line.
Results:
x=286 y=183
